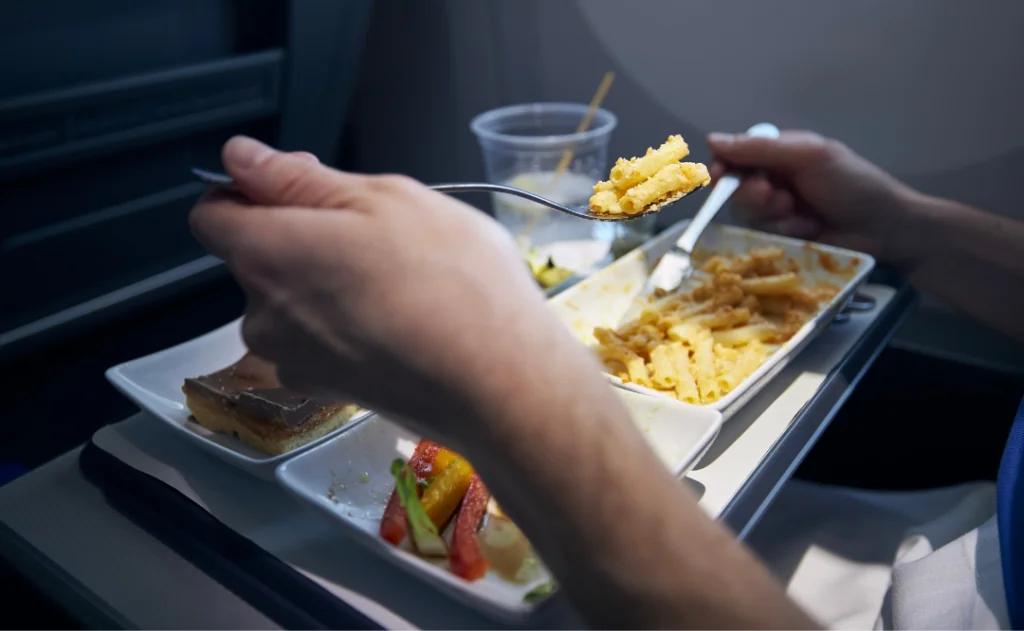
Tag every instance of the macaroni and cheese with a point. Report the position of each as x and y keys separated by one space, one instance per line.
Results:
x=641 y=184
x=699 y=346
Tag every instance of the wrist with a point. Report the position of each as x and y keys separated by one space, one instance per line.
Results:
x=528 y=363
x=904 y=235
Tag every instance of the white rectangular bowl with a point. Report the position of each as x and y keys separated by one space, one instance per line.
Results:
x=348 y=479
x=603 y=299
x=154 y=383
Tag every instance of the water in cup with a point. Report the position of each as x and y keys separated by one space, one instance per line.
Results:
x=537 y=224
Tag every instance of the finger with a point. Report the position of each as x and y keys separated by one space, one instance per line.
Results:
x=279 y=333
x=307 y=156
x=754 y=191
x=273 y=178
x=228 y=225
x=259 y=331
x=717 y=170
x=213 y=218
x=788 y=153
x=796 y=226
x=782 y=203
x=316 y=381
x=255 y=241
x=758 y=214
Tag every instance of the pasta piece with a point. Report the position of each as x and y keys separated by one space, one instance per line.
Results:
x=636 y=369
x=673 y=178
x=604 y=185
x=704 y=368
x=686 y=386
x=808 y=299
x=780 y=284
x=684 y=312
x=745 y=335
x=664 y=373
x=744 y=266
x=763 y=256
x=730 y=296
x=628 y=173
x=752 y=304
x=747 y=361
x=687 y=333
x=724 y=319
x=776 y=305
x=726 y=280
x=606 y=203
x=716 y=264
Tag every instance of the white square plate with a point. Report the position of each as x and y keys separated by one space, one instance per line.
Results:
x=154 y=383
x=603 y=299
x=348 y=479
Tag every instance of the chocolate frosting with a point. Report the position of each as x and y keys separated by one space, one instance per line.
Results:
x=251 y=384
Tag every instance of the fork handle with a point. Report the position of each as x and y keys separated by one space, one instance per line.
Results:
x=475 y=187
x=483 y=187
x=723 y=190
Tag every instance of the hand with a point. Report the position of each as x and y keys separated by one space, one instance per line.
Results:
x=379 y=289
x=809 y=187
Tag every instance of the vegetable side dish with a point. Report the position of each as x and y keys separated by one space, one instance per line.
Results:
x=440 y=509
x=655 y=180
x=547 y=273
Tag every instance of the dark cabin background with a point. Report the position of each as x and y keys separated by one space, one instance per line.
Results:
x=104 y=107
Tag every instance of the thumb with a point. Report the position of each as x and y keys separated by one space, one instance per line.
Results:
x=270 y=177
x=790 y=152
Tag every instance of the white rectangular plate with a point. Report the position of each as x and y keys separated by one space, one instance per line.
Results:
x=603 y=299
x=348 y=479
x=154 y=383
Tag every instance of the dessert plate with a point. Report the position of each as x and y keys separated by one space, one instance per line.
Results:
x=154 y=383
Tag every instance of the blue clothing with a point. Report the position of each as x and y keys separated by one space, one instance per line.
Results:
x=1010 y=520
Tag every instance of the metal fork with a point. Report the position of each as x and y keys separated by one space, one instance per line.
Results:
x=225 y=181
x=676 y=265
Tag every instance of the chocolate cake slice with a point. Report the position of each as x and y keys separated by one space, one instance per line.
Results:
x=247 y=401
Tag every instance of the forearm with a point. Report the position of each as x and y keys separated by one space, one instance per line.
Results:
x=628 y=542
x=970 y=259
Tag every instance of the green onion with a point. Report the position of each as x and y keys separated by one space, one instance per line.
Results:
x=541 y=592
x=425 y=537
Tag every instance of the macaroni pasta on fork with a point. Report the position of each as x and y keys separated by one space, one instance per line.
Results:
x=657 y=179
x=699 y=346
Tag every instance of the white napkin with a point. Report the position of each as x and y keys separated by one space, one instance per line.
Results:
x=840 y=550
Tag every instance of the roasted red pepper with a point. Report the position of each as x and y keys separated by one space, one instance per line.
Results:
x=393 y=526
x=466 y=559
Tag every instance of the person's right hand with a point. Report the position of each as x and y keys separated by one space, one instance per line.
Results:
x=809 y=187
x=378 y=290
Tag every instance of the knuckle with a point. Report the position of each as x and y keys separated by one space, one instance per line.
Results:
x=822 y=148
x=834 y=148
x=256 y=334
x=303 y=182
x=293 y=378
x=748 y=194
x=297 y=184
x=396 y=184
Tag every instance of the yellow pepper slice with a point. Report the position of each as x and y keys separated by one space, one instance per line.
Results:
x=442 y=460
x=442 y=496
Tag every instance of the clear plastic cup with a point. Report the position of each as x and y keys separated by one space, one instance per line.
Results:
x=522 y=146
